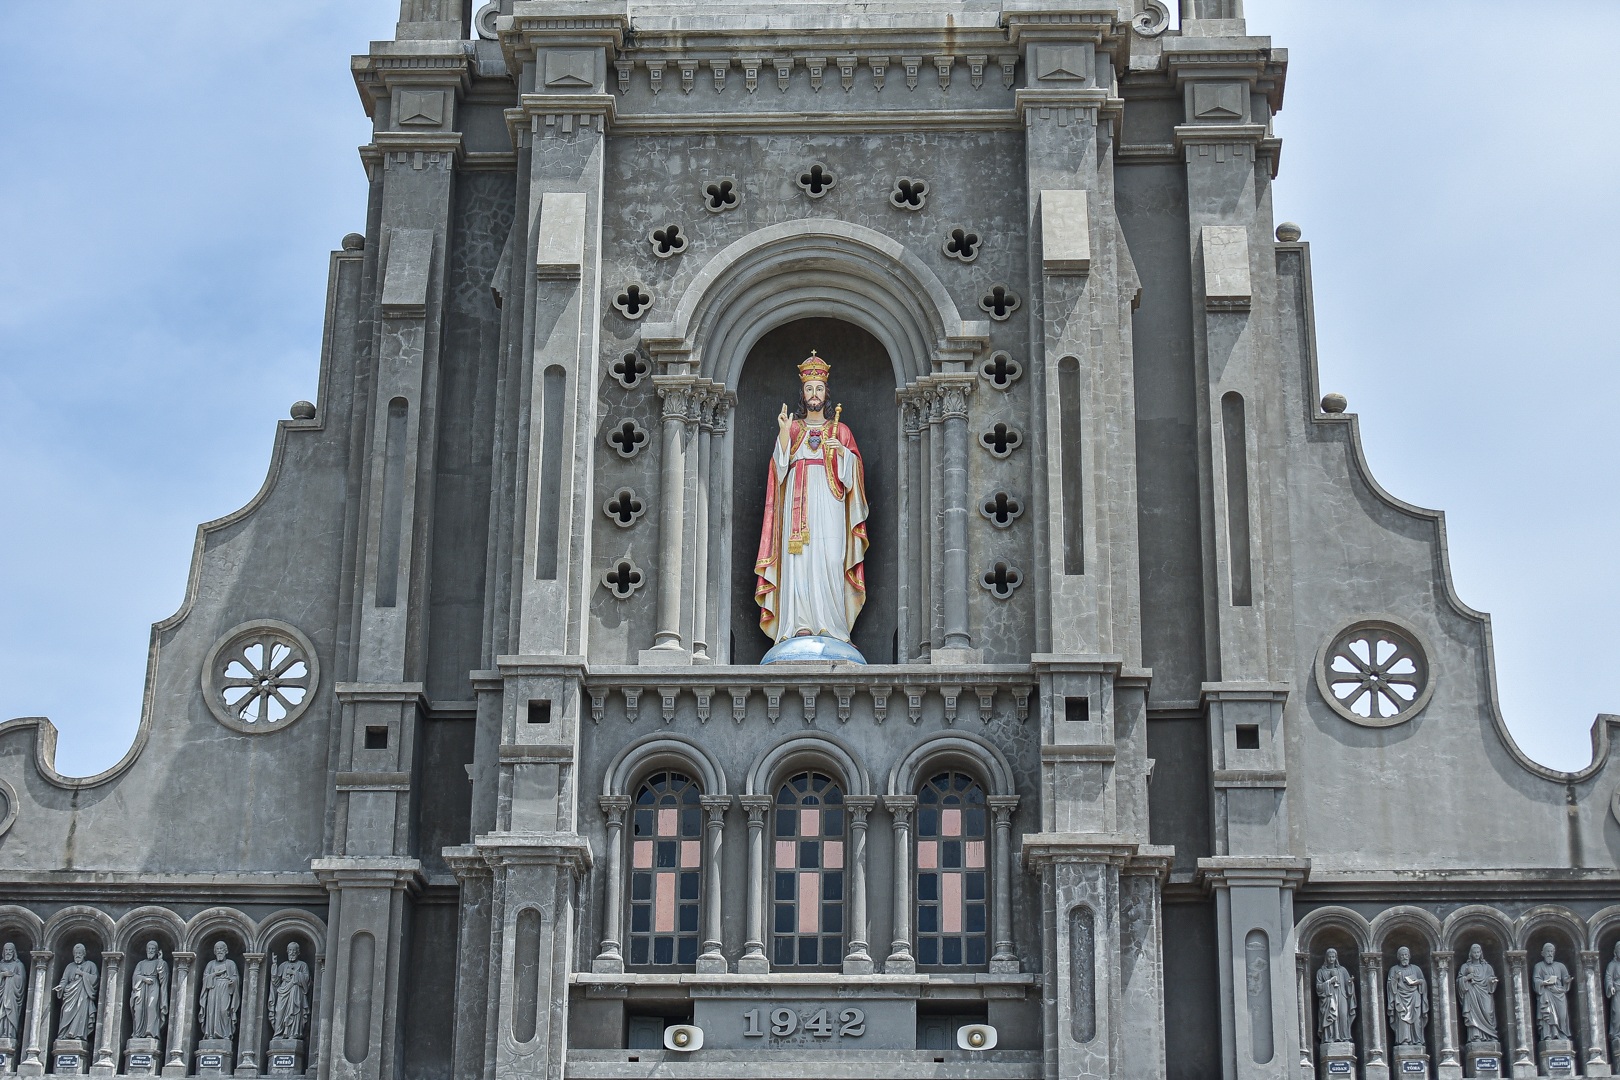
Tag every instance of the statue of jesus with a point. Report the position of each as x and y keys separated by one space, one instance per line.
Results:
x=812 y=548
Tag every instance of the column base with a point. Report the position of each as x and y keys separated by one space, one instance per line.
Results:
x=70 y=1057
x=956 y=656
x=664 y=656
x=1484 y=1059
x=213 y=1058
x=1557 y=1057
x=1006 y=967
x=900 y=964
x=285 y=1057
x=1409 y=1063
x=1335 y=1060
x=607 y=965
x=859 y=964
x=143 y=1057
x=754 y=964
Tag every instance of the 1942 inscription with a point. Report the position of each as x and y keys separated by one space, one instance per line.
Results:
x=785 y=1023
x=805 y=1024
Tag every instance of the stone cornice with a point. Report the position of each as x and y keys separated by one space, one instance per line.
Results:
x=1043 y=20
x=445 y=64
x=1044 y=849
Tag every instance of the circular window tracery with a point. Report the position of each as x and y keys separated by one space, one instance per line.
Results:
x=260 y=677
x=1375 y=672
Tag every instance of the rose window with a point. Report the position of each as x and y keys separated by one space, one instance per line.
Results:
x=260 y=677
x=1374 y=673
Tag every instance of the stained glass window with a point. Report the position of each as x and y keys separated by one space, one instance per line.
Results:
x=666 y=861
x=808 y=919
x=951 y=878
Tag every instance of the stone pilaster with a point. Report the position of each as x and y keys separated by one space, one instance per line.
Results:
x=900 y=960
x=1449 y=1067
x=610 y=957
x=1522 y=1009
x=1374 y=1035
x=182 y=1015
x=754 y=960
x=713 y=960
x=110 y=1025
x=38 y=1025
x=473 y=1045
x=250 y=1036
x=1004 y=955
x=1594 y=1036
x=858 y=961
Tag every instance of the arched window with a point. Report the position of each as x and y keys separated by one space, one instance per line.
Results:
x=666 y=862
x=808 y=927
x=951 y=872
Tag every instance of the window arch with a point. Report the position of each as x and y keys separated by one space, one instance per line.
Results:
x=666 y=865
x=808 y=872
x=953 y=832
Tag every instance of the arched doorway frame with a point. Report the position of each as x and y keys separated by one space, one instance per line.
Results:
x=775 y=275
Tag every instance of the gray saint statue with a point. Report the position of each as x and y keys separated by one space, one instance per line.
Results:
x=149 y=995
x=1408 y=1000
x=1551 y=982
x=1611 y=987
x=1336 y=1000
x=219 y=998
x=289 y=995
x=77 y=989
x=13 y=991
x=1476 y=996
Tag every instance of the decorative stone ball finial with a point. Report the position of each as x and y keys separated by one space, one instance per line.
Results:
x=1288 y=233
x=1335 y=403
x=303 y=410
x=354 y=242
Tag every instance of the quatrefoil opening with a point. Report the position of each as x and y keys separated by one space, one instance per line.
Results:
x=961 y=244
x=999 y=303
x=721 y=195
x=627 y=438
x=817 y=180
x=624 y=508
x=623 y=578
x=634 y=301
x=1000 y=370
x=1002 y=509
x=1001 y=579
x=668 y=241
x=629 y=370
x=909 y=194
x=1001 y=440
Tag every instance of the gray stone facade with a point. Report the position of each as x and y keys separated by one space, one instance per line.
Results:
x=1166 y=697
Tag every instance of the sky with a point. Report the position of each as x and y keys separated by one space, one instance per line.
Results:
x=175 y=188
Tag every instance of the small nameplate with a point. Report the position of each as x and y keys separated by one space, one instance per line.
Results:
x=67 y=1062
x=281 y=1061
x=1337 y=1068
x=1413 y=1067
x=1488 y=1063
x=210 y=1061
x=5 y=1060
x=1560 y=1061
x=140 y=1061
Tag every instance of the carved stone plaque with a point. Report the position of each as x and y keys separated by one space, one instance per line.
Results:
x=807 y=1023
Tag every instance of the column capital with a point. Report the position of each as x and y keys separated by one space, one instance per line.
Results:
x=1002 y=806
x=860 y=806
x=614 y=806
x=901 y=806
x=756 y=805
x=715 y=804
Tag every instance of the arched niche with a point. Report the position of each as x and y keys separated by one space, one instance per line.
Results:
x=863 y=381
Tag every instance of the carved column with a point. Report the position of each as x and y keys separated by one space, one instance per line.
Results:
x=676 y=396
x=39 y=1016
x=1594 y=1037
x=713 y=960
x=317 y=1030
x=609 y=959
x=110 y=1026
x=38 y=1023
x=1307 y=1041
x=1450 y=1064
x=914 y=529
x=1372 y=1013
x=1005 y=956
x=753 y=959
x=900 y=959
x=1524 y=1041
x=711 y=424
x=252 y=1029
x=953 y=396
x=182 y=1016
x=858 y=961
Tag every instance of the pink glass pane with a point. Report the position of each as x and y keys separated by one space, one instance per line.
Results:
x=786 y=855
x=809 y=902
x=664 y=903
x=668 y=821
x=974 y=854
x=950 y=903
x=809 y=823
x=927 y=854
x=832 y=854
x=691 y=854
x=950 y=822
x=641 y=857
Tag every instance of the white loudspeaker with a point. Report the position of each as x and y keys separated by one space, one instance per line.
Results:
x=973 y=1037
x=689 y=1037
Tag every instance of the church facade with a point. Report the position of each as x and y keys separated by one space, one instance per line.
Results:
x=1128 y=729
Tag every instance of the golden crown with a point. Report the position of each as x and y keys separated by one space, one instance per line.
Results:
x=814 y=368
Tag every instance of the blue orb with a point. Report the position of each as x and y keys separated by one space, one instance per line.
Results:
x=813 y=649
